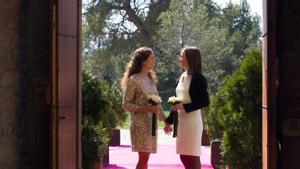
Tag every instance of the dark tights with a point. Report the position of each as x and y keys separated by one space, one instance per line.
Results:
x=190 y=162
x=143 y=160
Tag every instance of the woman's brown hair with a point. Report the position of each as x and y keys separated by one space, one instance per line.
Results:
x=135 y=65
x=193 y=56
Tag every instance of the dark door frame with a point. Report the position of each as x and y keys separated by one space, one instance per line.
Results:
x=56 y=34
x=269 y=110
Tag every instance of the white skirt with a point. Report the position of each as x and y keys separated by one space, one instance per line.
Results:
x=189 y=133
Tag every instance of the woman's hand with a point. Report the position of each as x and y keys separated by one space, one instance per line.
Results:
x=177 y=107
x=168 y=128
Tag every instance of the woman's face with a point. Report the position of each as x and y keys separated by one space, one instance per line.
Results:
x=183 y=61
x=149 y=63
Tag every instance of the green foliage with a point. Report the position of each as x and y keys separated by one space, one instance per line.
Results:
x=94 y=97
x=223 y=36
x=112 y=30
x=235 y=114
x=102 y=112
x=94 y=141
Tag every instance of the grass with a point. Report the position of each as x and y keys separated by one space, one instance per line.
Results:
x=126 y=125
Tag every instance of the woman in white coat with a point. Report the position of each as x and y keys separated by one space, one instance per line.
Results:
x=192 y=88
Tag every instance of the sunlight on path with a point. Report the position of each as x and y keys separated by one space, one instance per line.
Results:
x=121 y=157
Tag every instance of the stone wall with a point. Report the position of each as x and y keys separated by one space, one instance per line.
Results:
x=9 y=83
x=24 y=78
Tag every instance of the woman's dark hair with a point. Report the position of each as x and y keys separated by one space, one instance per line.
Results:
x=135 y=65
x=193 y=56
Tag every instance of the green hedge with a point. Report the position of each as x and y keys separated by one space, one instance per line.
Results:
x=235 y=114
x=101 y=113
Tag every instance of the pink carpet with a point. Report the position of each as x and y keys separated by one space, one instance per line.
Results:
x=121 y=157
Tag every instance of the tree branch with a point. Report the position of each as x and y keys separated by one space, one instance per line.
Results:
x=133 y=17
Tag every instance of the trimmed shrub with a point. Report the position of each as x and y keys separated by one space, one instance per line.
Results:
x=235 y=115
x=101 y=113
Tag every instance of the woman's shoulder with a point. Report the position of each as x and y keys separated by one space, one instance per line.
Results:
x=199 y=80
x=132 y=79
x=198 y=76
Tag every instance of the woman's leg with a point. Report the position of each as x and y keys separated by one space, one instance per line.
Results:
x=196 y=162
x=190 y=162
x=143 y=160
x=184 y=160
